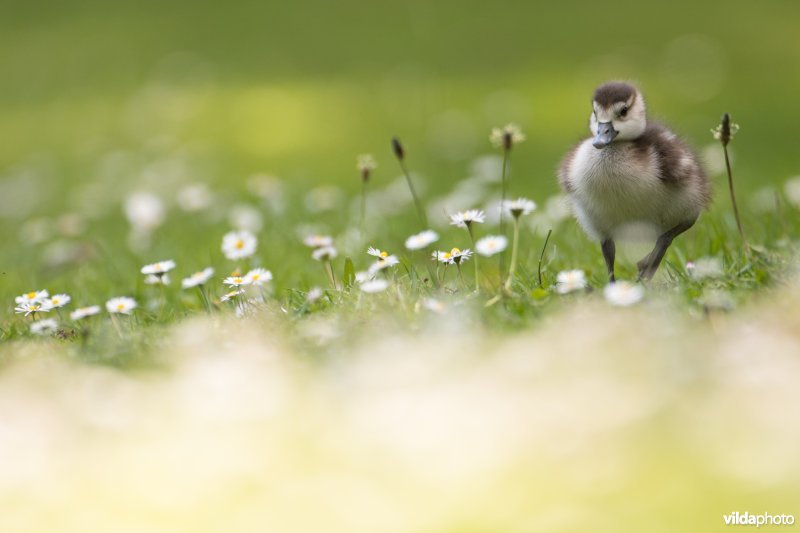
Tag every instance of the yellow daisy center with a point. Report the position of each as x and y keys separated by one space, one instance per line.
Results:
x=31 y=295
x=54 y=301
x=239 y=244
x=256 y=276
x=455 y=251
x=384 y=254
x=120 y=307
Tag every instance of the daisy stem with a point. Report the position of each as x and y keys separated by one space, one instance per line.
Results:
x=420 y=210
x=115 y=323
x=503 y=187
x=363 y=209
x=475 y=256
x=514 y=244
x=460 y=275
x=204 y=298
x=733 y=200
x=541 y=257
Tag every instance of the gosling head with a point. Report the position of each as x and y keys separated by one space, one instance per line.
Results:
x=618 y=114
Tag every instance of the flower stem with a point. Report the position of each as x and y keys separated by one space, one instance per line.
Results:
x=420 y=211
x=514 y=244
x=733 y=199
x=363 y=209
x=475 y=255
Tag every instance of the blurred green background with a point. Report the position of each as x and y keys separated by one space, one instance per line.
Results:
x=99 y=99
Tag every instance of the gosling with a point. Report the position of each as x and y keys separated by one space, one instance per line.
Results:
x=632 y=172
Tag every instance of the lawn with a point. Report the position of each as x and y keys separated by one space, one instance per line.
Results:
x=343 y=391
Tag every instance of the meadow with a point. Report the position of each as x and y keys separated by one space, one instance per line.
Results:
x=301 y=345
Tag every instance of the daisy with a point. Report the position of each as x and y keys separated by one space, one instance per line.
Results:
x=44 y=326
x=313 y=294
x=324 y=253
x=422 y=240
x=30 y=308
x=506 y=136
x=361 y=276
x=318 y=241
x=121 y=305
x=455 y=256
x=231 y=295
x=58 y=300
x=33 y=296
x=623 y=293
x=440 y=256
x=377 y=253
x=158 y=269
x=570 y=280
x=373 y=286
x=83 y=312
x=236 y=281
x=157 y=279
x=490 y=245
x=198 y=278
x=239 y=245
x=705 y=267
x=258 y=276
x=434 y=305
x=519 y=207
x=384 y=262
x=465 y=219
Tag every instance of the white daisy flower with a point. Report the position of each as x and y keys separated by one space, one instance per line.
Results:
x=570 y=280
x=465 y=218
x=239 y=245
x=374 y=285
x=83 y=312
x=258 y=276
x=377 y=253
x=506 y=136
x=160 y=279
x=33 y=296
x=519 y=207
x=236 y=281
x=318 y=241
x=431 y=304
x=29 y=308
x=384 y=262
x=422 y=240
x=324 y=253
x=705 y=267
x=313 y=294
x=490 y=245
x=44 y=326
x=440 y=256
x=157 y=269
x=361 y=276
x=121 y=305
x=58 y=300
x=623 y=293
x=231 y=295
x=454 y=256
x=198 y=278
x=145 y=211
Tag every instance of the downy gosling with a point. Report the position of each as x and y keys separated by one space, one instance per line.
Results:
x=632 y=172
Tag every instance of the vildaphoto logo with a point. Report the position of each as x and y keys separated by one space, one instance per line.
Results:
x=765 y=519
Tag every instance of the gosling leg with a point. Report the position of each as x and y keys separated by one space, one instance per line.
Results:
x=649 y=265
x=609 y=251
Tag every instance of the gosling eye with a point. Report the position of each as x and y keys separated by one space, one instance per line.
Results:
x=623 y=112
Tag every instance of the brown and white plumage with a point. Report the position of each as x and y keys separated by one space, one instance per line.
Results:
x=632 y=173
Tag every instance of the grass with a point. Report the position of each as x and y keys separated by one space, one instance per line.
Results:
x=501 y=410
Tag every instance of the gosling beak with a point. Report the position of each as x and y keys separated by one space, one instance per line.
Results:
x=605 y=134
